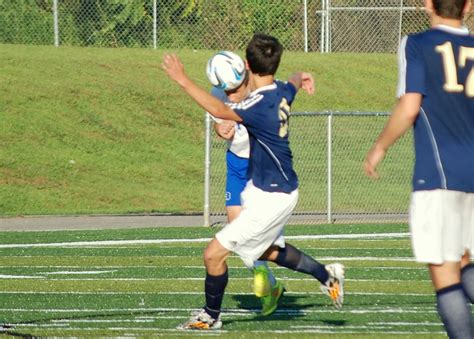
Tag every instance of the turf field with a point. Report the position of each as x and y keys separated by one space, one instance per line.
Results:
x=145 y=282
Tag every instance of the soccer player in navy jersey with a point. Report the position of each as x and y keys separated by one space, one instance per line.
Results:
x=237 y=161
x=436 y=96
x=271 y=192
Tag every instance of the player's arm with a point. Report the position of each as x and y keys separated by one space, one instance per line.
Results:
x=225 y=129
x=175 y=70
x=302 y=80
x=402 y=118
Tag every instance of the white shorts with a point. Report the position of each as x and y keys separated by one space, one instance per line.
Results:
x=442 y=225
x=259 y=225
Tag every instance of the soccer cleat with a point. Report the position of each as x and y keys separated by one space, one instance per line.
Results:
x=261 y=283
x=334 y=287
x=270 y=301
x=200 y=320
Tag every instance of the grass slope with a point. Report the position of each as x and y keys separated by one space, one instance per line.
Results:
x=104 y=131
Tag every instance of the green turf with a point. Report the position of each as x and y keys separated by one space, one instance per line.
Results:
x=147 y=290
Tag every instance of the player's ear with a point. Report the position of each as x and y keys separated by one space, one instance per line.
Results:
x=429 y=6
x=247 y=64
x=467 y=7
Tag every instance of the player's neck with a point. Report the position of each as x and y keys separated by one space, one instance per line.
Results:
x=261 y=81
x=437 y=20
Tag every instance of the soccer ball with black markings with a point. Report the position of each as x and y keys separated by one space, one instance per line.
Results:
x=226 y=70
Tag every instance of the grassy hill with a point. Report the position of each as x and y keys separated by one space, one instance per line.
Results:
x=104 y=131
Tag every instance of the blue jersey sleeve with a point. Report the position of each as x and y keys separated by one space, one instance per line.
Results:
x=411 y=77
x=219 y=94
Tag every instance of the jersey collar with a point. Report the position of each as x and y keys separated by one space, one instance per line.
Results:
x=264 y=88
x=459 y=31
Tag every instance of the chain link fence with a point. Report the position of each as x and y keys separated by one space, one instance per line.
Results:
x=301 y=25
x=328 y=150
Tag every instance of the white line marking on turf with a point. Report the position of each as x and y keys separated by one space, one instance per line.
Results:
x=165 y=241
x=77 y=272
x=199 y=293
x=366 y=310
x=6 y=276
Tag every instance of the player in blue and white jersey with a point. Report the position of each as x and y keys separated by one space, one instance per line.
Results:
x=436 y=96
x=271 y=193
x=237 y=160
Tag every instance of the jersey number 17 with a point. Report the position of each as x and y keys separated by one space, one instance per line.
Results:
x=450 y=68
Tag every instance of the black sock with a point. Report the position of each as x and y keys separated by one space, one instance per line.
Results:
x=292 y=258
x=454 y=311
x=214 y=287
x=467 y=279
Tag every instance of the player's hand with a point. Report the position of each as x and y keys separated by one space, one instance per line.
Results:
x=174 y=68
x=226 y=129
x=373 y=158
x=307 y=83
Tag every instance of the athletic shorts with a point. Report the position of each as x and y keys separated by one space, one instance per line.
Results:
x=442 y=225
x=236 y=178
x=259 y=225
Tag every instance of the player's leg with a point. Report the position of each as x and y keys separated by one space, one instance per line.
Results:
x=439 y=232
x=261 y=221
x=330 y=276
x=467 y=268
x=215 y=283
x=452 y=303
x=467 y=275
x=236 y=181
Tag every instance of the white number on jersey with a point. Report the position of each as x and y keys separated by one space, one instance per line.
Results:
x=450 y=70
x=283 y=113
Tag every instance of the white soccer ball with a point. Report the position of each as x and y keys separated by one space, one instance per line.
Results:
x=226 y=70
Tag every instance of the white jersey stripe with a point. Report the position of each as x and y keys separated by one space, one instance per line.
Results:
x=402 y=68
x=274 y=158
x=245 y=104
x=439 y=164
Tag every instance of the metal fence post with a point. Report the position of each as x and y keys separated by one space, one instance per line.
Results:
x=207 y=171
x=400 y=23
x=329 y=180
x=306 y=26
x=55 y=21
x=321 y=38
x=154 y=23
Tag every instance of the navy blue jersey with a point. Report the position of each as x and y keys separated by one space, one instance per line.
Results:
x=265 y=113
x=439 y=64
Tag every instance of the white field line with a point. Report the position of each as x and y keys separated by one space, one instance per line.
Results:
x=77 y=257
x=193 y=267
x=165 y=241
x=76 y=272
x=238 y=312
x=200 y=293
x=194 y=279
x=7 y=276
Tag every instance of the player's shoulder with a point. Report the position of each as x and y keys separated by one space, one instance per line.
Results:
x=219 y=93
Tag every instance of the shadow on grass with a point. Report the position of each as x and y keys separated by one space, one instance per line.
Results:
x=289 y=308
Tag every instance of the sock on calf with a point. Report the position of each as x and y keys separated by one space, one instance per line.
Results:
x=467 y=279
x=214 y=288
x=292 y=258
x=455 y=313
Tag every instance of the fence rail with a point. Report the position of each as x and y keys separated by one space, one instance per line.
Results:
x=328 y=152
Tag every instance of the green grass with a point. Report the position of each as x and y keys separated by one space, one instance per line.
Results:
x=122 y=289
x=89 y=130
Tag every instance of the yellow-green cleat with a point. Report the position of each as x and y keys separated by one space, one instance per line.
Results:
x=270 y=301
x=261 y=283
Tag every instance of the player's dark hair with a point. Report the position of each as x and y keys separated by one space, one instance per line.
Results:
x=449 y=9
x=263 y=54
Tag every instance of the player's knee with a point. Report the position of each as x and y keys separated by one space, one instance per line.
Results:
x=211 y=257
